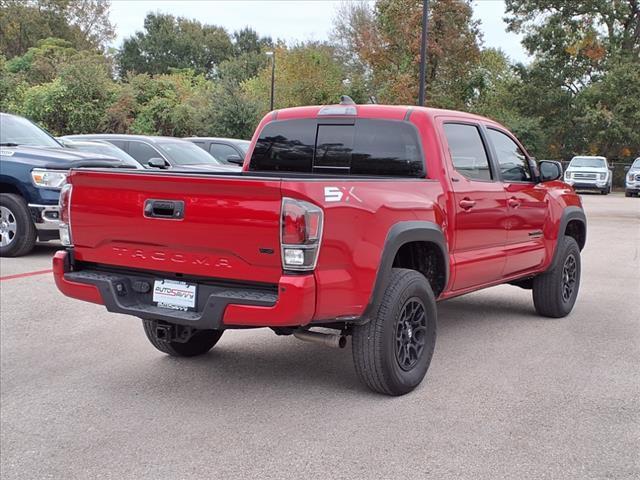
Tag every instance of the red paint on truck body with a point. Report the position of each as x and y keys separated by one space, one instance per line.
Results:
x=231 y=221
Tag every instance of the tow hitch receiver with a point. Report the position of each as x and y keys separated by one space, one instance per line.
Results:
x=166 y=332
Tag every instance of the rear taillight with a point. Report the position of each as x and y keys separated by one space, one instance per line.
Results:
x=300 y=234
x=65 y=216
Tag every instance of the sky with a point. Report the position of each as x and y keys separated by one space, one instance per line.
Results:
x=293 y=20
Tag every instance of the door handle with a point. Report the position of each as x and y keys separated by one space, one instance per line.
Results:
x=467 y=203
x=164 y=209
x=513 y=202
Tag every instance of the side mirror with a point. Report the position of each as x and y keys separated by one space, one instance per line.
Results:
x=158 y=163
x=235 y=159
x=549 y=170
x=627 y=168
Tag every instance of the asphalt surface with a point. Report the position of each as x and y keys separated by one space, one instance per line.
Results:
x=508 y=394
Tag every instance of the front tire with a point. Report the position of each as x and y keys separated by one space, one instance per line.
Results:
x=392 y=352
x=556 y=290
x=17 y=231
x=200 y=342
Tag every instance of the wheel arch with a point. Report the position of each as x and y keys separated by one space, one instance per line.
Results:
x=416 y=245
x=11 y=187
x=573 y=223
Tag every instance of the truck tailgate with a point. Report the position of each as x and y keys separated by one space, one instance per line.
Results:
x=229 y=227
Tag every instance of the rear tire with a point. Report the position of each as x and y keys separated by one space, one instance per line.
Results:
x=392 y=352
x=556 y=290
x=200 y=343
x=18 y=233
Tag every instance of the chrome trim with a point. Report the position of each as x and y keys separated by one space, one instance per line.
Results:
x=41 y=220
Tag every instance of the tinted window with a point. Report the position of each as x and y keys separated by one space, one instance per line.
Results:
x=334 y=148
x=387 y=148
x=513 y=163
x=366 y=147
x=467 y=150
x=186 y=153
x=285 y=146
x=142 y=152
x=222 y=152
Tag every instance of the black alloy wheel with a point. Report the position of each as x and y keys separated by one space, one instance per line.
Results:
x=411 y=328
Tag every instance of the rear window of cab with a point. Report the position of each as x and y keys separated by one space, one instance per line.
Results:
x=350 y=147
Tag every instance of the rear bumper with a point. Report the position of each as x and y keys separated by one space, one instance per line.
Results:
x=291 y=303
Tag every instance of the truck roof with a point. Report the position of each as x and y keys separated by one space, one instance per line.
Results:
x=392 y=112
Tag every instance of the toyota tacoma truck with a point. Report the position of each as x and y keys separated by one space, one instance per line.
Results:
x=355 y=219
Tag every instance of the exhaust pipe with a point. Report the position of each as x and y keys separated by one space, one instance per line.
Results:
x=327 y=339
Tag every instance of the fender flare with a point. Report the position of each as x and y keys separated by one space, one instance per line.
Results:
x=569 y=214
x=399 y=234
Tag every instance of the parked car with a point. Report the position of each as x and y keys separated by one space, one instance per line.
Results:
x=101 y=147
x=160 y=152
x=632 y=179
x=353 y=218
x=33 y=169
x=228 y=150
x=589 y=173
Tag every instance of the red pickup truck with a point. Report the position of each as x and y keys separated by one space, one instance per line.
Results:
x=355 y=218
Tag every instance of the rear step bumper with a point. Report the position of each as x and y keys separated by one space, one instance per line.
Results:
x=218 y=307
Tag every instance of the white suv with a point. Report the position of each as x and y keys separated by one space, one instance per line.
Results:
x=632 y=179
x=589 y=173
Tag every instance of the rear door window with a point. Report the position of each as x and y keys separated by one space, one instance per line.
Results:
x=360 y=147
x=222 y=151
x=142 y=152
x=467 y=150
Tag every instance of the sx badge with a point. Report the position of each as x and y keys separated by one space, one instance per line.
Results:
x=338 y=194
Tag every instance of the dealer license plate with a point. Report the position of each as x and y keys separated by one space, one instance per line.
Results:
x=174 y=295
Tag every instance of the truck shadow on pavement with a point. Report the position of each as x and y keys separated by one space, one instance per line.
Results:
x=262 y=364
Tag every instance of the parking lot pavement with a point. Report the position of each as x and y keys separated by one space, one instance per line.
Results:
x=508 y=395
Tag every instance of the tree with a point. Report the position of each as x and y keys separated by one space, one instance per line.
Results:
x=44 y=62
x=232 y=113
x=382 y=45
x=306 y=74
x=168 y=42
x=587 y=53
x=84 y=23
x=247 y=40
x=249 y=57
x=609 y=120
x=615 y=23
x=76 y=100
